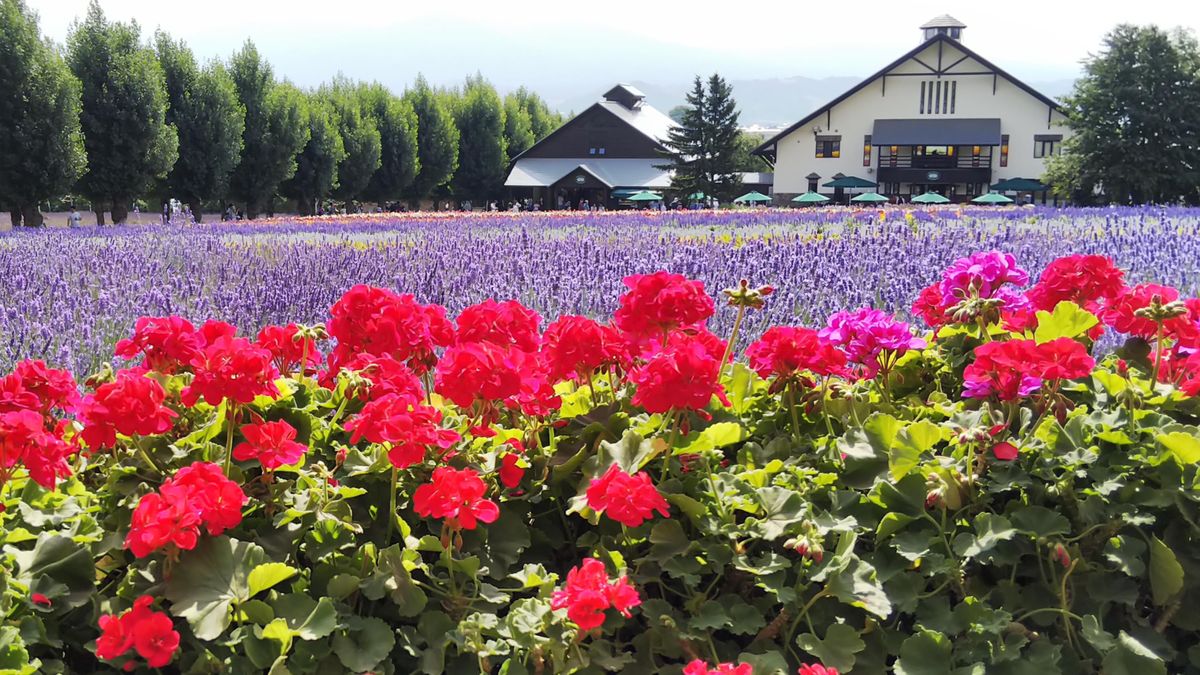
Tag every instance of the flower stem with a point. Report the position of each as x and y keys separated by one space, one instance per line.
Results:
x=670 y=444
x=233 y=415
x=1157 y=357
x=737 y=325
x=791 y=402
x=392 y=505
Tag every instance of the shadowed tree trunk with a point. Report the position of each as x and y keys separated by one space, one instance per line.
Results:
x=15 y=217
x=119 y=212
x=98 y=209
x=32 y=215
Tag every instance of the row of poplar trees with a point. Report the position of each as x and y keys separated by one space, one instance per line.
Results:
x=113 y=119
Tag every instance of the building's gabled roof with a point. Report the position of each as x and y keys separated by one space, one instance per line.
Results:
x=943 y=21
x=544 y=172
x=646 y=120
x=770 y=142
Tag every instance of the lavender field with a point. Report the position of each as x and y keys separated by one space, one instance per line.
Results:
x=68 y=296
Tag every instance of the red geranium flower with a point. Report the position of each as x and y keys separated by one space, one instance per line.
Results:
x=929 y=307
x=273 y=444
x=588 y=594
x=1005 y=451
x=575 y=346
x=510 y=473
x=233 y=369
x=132 y=405
x=684 y=376
x=168 y=343
x=385 y=374
x=1063 y=359
x=699 y=667
x=409 y=426
x=25 y=440
x=661 y=302
x=504 y=324
x=377 y=321
x=455 y=495
x=472 y=371
x=1119 y=312
x=151 y=634
x=197 y=495
x=1082 y=279
x=1006 y=370
x=627 y=499
x=14 y=396
x=287 y=348
x=786 y=351
x=817 y=669
x=54 y=388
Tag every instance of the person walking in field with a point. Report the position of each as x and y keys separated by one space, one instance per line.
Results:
x=74 y=220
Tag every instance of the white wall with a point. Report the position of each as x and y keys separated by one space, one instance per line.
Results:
x=1021 y=117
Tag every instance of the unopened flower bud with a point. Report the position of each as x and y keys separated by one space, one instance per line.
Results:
x=1061 y=555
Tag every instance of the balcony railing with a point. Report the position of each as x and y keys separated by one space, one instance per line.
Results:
x=935 y=161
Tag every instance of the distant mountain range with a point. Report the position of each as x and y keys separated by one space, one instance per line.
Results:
x=771 y=103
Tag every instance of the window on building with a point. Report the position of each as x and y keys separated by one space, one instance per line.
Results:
x=1004 y=150
x=1047 y=145
x=893 y=153
x=597 y=144
x=829 y=147
x=937 y=98
x=953 y=93
x=812 y=184
x=922 y=111
x=867 y=150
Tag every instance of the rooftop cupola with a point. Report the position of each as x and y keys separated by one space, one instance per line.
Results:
x=626 y=95
x=943 y=25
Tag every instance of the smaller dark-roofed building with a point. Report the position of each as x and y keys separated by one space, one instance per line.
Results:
x=609 y=151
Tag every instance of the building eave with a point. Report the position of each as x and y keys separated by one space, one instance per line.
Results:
x=765 y=148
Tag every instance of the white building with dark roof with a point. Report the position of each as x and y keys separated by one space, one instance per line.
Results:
x=941 y=118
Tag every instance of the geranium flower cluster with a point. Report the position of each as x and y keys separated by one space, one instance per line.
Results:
x=197 y=496
x=369 y=320
x=132 y=404
x=787 y=352
x=588 y=593
x=872 y=339
x=273 y=444
x=32 y=433
x=698 y=667
x=457 y=497
x=1016 y=368
x=627 y=499
x=149 y=633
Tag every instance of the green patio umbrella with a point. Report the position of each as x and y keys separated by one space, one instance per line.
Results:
x=849 y=182
x=697 y=196
x=992 y=198
x=752 y=197
x=1019 y=185
x=870 y=197
x=644 y=196
x=930 y=198
x=810 y=198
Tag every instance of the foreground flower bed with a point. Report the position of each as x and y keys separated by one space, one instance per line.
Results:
x=395 y=490
x=71 y=295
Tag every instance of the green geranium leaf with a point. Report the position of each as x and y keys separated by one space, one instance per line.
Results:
x=1166 y=574
x=1068 y=320
x=710 y=616
x=926 y=653
x=668 y=540
x=1131 y=657
x=629 y=453
x=365 y=645
x=838 y=648
x=770 y=663
x=891 y=524
x=59 y=568
x=910 y=443
x=1125 y=551
x=1093 y=633
x=268 y=575
x=306 y=618
x=1181 y=446
x=990 y=530
x=209 y=579
x=859 y=587
x=781 y=509
x=14 y=657
x=1040 y=521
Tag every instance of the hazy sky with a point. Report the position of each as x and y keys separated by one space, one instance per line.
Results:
x=559 y=45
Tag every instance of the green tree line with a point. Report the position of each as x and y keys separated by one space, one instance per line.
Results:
x=113 y=118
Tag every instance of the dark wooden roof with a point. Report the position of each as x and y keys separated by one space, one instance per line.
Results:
x=770 y=142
